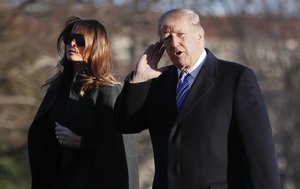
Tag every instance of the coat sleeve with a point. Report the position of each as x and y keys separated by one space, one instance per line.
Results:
x=255 y=131
x=129 y=111
x=116 y=155
x=103 y=114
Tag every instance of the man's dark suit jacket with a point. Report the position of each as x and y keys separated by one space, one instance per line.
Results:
x=100 y=161
x=220 y=138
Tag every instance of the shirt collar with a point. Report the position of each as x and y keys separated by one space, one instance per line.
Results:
x=194 y=70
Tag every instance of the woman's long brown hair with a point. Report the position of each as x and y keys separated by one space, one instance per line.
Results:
x=97 y=53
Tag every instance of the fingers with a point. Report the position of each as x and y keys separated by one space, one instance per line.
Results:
x=57 y=124
x=153 y=48
x=66 y=137
x=60 y=132
x=160 y=52
x=156 y=51
x=60 y=135
x=60 y=128
x=60 y=138
x=146 y=68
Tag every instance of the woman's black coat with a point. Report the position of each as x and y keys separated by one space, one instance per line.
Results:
x=100 y=162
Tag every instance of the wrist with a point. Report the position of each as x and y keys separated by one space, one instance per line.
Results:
x=137 y=77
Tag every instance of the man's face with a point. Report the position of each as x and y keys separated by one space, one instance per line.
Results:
x=182 y=40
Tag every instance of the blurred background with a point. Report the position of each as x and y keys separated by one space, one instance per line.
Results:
x=262 y=34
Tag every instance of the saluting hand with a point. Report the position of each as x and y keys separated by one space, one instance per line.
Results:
x=146 y=67
x=66 y=137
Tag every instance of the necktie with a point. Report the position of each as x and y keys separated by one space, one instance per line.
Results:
x=182 y=88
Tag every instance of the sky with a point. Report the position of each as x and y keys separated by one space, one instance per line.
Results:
x=223 y=7
x=217 y=7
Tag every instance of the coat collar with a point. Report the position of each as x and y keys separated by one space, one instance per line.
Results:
x=48 y=100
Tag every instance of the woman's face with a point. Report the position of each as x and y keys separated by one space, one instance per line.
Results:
x=75 y=44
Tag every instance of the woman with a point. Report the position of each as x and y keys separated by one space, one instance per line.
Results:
x=72 y=142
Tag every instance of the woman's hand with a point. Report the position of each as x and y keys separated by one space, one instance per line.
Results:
x=66 y=137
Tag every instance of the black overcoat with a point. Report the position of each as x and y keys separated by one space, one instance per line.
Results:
x=219 y=139
x=100 y=162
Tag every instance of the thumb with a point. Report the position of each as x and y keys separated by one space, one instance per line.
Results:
x=57 y=124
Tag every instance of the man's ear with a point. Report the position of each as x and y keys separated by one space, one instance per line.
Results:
x=201 y=33
x=200 y=36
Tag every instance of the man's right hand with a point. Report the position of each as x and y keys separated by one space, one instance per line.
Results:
x=146 y=68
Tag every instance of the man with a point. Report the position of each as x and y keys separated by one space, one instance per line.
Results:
x=217 y=137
